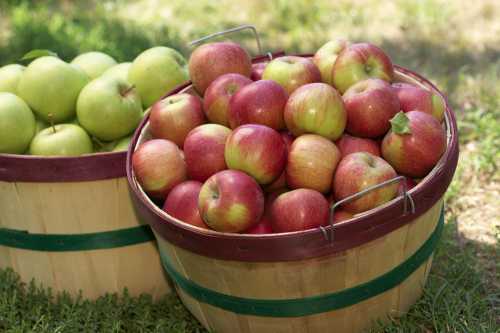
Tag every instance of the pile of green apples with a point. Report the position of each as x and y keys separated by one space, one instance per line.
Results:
x=91 y=104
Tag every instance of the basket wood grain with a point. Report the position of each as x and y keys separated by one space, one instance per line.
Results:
x=68 y=202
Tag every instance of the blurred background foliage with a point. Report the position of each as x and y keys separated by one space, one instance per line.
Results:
x=456 y=44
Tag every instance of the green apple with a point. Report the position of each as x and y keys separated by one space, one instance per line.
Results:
x=51 y=86
x=123 y=143
x=61 y=140
x=9 y=77
x=103 y=146
x=17 y=124
x=109 y=108
x=120 y=71
x=40 y=125
x=157 y=71
x=94 y=64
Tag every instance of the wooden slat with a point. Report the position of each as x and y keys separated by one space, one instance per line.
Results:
x=75 y=208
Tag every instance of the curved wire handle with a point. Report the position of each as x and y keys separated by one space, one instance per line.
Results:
x=408 y=201
x=228 y=31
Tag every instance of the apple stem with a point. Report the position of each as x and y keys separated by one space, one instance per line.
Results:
x=51 y=121
x=126 y=91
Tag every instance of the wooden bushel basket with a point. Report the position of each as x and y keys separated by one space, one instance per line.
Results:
x=68 y=223
x=375 y=266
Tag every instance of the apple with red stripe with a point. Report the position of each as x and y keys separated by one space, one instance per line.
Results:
x=258 y=70
x=311 y=163
x=211 y=60
x=407 y=183
x=174 y=117
x=416 y=98
x=358 y=62
x=158 y=166
x=231 y=201
x=204 y=151
x=316 y=108
x=340 y=215
x=348 y=144
x=182 y=203
x=360 y=171
x=280 y=183
x=370 y=104
x=257 y=150
x=298 y=210
x=325 y=58
x=218 y=95
x=414 y=144
x=291 y=72
x=261 y=102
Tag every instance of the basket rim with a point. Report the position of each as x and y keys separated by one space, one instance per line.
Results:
x=304 y=244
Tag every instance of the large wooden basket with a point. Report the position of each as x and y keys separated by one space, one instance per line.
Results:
x=68 y=223
x=375 y=266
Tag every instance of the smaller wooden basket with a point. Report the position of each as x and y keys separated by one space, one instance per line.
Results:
x=68 y=223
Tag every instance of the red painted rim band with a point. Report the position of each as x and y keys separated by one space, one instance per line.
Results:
x=303 y=244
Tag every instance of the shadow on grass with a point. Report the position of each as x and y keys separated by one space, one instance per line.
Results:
x=438 y=60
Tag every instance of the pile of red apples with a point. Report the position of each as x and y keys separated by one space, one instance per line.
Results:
x=269 y=147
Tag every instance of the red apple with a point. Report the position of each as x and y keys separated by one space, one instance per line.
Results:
x=158 y=166
x=360 y=171
x=415 y=98
x=280 y=182
x=370 y=104
x=277 y=184
x=257 y=150
x=291 y=72
x=211 y=60
x=270 y=197
x=263 y=227
x=204 y=151
x=325 y=58
x=316 y=108
x=300 y=209
x=261 y=102
x=340 y=215
x=408 y=182
x=219 y=93
x=350 y=144
x=174 y=117
x=414 y=144
x=358 y=62
x=287 y=139
x=231 y=201
x=311 y=163
x=182 y=203
x=257 y=70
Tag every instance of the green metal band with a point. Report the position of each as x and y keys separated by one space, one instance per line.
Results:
x=77 y=242
x=315 y=304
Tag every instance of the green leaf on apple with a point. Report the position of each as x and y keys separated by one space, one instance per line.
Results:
x=400 y=123
x=33 y=54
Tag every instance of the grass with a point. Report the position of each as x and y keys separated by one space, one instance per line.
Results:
x=457 y=299
x=454 y=43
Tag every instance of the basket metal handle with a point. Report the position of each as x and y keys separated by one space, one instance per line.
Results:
x=408 y=203
x=236 y=29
